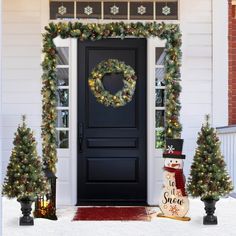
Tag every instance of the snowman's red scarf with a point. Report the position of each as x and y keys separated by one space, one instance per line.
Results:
x=179 y=179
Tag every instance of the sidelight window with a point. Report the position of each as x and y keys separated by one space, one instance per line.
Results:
x=160 y=96
x=62 y=123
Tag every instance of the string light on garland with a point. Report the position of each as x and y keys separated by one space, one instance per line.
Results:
x=92 y=31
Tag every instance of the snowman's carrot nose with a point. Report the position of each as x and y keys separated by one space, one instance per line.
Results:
x=174 y=165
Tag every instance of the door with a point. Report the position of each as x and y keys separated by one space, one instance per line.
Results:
x=112 y=141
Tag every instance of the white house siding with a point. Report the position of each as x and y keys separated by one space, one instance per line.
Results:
x=20 y=69
x=196 y=96
x=22 y=23
x=0 y=114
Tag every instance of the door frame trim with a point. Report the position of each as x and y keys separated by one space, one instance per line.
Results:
x=74 y=119
x=154 y=156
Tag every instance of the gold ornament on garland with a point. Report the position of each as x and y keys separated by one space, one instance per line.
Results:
x=112 y=66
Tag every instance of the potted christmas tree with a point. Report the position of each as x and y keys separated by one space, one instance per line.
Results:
x=24 y=178
x=208 y=177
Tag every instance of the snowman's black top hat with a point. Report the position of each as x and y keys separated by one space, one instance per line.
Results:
x=174 y=149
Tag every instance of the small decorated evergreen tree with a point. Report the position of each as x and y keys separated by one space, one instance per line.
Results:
x=208 y=177
x=24 y=178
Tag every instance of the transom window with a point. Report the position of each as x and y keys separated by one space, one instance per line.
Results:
x=115 y=10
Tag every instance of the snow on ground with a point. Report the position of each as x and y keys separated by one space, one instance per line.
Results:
x=225 y=210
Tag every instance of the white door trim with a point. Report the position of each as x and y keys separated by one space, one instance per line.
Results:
x=154 y=157
x=154 y=162
x=220 y=63
x=73 y=119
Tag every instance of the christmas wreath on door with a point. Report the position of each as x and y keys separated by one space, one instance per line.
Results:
x=112 y=66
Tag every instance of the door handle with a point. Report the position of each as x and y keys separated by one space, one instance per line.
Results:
x=81 y=136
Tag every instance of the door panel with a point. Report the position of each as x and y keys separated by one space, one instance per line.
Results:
x=112 y=141
x=99 y=169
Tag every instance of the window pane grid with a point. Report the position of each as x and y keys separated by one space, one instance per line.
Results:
x=63 y=66
x=63 y=87
x=62 y=108
x=160 y=97
x=63 y=95
x=62 y=129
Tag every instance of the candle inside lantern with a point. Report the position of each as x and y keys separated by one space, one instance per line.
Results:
x=44 y=205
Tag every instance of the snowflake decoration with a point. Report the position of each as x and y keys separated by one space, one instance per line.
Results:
x=174 y=210
x=170 y=149
x=114 y=10
x=141 y=10
x=166 y=10
x=62 y=10
x=88 y=10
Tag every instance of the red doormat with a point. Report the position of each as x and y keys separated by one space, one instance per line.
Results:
x=112 y=213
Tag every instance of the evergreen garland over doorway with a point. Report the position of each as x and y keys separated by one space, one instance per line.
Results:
x=169 y=32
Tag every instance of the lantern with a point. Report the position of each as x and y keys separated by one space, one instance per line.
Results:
x=45 y=206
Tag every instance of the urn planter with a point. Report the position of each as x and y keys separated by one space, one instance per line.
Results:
x=209 y=219
x=26 y=209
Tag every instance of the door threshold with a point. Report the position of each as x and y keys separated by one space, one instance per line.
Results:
x=110 y=203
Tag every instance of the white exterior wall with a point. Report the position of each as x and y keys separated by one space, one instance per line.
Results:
x=0 y=115
x=21 y=69
x=196 y=96
x=204 y=71
x=22 y=24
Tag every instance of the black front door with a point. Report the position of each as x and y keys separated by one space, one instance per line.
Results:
x=112 y=141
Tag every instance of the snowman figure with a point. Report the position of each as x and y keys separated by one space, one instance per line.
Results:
x=174 y=201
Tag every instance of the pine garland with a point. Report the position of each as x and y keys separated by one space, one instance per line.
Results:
x=169 y=32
